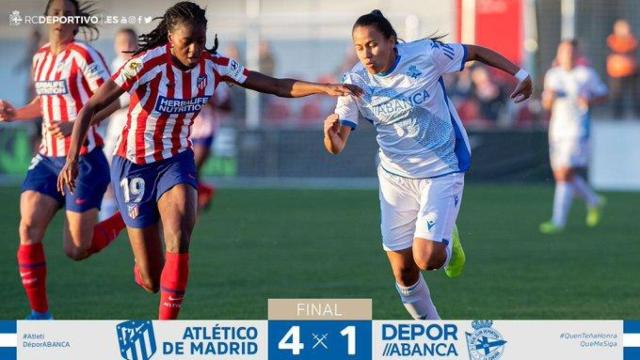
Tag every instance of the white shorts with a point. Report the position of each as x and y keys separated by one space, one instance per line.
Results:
x=418 y=208
x=569 y=153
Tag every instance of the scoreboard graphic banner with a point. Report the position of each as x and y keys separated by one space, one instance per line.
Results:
x=310 y=329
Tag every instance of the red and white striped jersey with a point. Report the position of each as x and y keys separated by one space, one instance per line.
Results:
x=165 y=100
x=64 y=83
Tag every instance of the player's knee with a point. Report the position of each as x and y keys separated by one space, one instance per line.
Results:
x=30 y=232
x=150 y=285
x=76 y=253
x=431 y=259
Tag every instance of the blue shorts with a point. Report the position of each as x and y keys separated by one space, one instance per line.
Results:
x=204 y=141
x=139 y=187
x=91 y=183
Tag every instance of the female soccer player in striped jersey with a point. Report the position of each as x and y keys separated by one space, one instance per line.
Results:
x=66 y=73
x=153 y=171
x=424 y=150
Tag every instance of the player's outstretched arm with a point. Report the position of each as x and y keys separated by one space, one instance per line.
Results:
x=28 y=112
x=487 y=56
x=335 y=135
x=295 y=88
x=106 y=94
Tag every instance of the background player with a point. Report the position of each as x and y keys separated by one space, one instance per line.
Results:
x=124 y=44
x=66 y=72
x=423 y=148
x=153 y=172
x=570 y=90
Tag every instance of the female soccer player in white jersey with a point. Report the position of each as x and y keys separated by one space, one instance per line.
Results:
x=570 y=90
x=424 y=150
x=153 y=172
x=66 y=72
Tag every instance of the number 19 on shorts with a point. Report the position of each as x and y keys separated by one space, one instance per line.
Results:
x=311 y=340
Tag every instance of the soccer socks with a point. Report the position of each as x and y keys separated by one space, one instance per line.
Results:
x=105 y=232
x=417 y=300
x=583 y=190
x=33 y=271
x=173 y=284
x=562 y=203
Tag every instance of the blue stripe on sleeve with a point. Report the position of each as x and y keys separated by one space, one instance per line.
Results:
x=348 y=123
x=464 y=57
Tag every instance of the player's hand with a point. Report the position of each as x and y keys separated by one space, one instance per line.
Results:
x=523 y=90
x=61 y=129
x=342 y=90
x=583 y=102
x=332 y=125
x=67 y=177
x=7 y=111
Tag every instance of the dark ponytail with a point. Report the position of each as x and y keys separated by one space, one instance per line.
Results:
x=182 y=12
x=382 y=24
x=377 y=20
x=85 y=9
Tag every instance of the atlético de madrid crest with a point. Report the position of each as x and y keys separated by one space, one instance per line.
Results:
x=201 y=82
x=484 y=343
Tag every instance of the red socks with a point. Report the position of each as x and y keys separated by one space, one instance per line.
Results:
x=33 y=271
x=173 y=283
x=105 y=232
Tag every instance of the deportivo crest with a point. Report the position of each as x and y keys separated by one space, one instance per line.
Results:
x=484 y=343
x=413 y=72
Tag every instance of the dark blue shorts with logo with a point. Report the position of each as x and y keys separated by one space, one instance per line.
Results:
x=139 y=187
x=91 y=183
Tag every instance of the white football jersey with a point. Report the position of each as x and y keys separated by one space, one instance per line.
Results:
x=419 y=132
x=568 y=119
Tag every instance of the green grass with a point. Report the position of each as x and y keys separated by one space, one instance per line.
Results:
x=258 y=244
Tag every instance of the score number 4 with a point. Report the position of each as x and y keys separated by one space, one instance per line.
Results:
x=291 y=340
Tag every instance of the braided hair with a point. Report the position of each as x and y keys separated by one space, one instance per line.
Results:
x=85 y=9
x=184 y=11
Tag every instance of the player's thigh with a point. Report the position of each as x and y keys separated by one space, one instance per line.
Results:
x=146 y=244
x=441 y=199
x=178 y=211
x=36 y=212
x=78 y=229
x=405 y=271
x=398 y=211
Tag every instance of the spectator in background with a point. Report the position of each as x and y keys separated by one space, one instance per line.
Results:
x=267 y=61
x=622 y=68
x=489 y=95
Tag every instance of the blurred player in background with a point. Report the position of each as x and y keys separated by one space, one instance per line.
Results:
x=424 y=150
x=570 y=90
x=125 y=44
x=205 y=126
x=154 y=176
x=66 y=72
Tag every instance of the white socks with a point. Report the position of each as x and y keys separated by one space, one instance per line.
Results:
x=417 y=300
x=583 y=190
x=562 y=203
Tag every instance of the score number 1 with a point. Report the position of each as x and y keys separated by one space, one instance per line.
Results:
x=291 y=340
